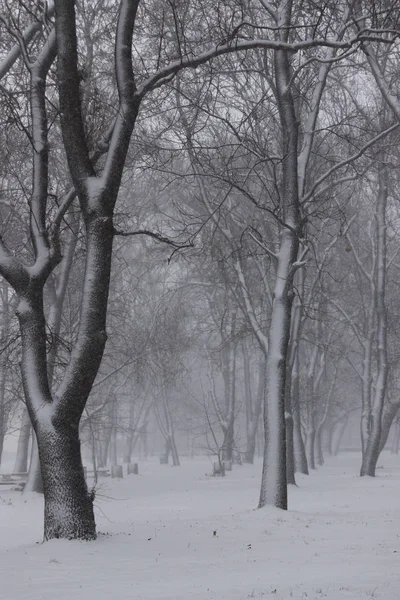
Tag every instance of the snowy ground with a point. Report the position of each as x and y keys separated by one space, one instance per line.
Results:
x=340 y=539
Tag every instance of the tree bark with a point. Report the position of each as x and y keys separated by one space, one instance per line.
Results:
x=68 y=505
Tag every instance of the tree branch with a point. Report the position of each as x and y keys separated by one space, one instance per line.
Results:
x=157 y=236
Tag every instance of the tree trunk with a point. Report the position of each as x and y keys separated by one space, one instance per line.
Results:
x=130 y=434
x=396 y=439
x=330 y=430
x=371 y=453
x=34 y=483
x=168 y=431
x=300 y=456
x=174 y=452
x=167 y=450
x=113 y=447
x=388 y=417
x=1 y=433
x=319 y=454
x=340 y=434
x=250 y=446
x=68 y=504
x=104 y=448
x=289 y=424
x=273 y=483
x=228 y=443
x=310 y=448
x=21 y=460
x=5 y=330
x=113 y=440
x=253 y=409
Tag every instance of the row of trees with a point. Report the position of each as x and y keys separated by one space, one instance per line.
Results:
x=256 y=138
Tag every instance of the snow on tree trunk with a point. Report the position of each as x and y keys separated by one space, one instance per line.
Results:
x=273 y=483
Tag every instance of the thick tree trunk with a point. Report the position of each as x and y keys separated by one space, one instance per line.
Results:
x=21 y=460
x=273 y=483
x=68 y=504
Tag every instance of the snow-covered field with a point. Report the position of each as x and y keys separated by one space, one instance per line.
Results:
x=178 y=534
